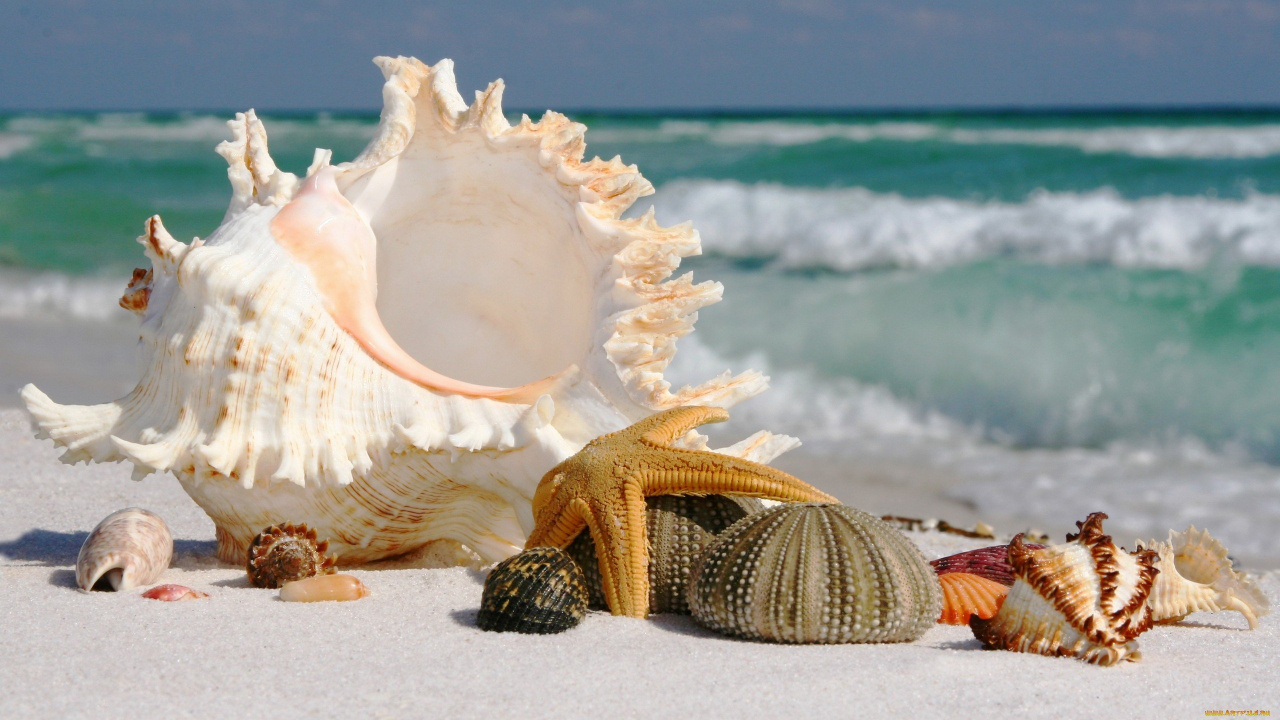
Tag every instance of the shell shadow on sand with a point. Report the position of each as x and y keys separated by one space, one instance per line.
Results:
x=51 y=548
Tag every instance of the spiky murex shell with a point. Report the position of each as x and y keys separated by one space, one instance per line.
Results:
x=284 y=553
x=1086 y=598
x=265 y=408
x=1196 y=575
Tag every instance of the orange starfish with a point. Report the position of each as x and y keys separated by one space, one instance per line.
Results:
x=603 y=488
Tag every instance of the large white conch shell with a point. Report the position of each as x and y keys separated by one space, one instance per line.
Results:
x=395 y=349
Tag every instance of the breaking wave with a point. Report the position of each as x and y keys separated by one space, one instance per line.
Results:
x=851 y=229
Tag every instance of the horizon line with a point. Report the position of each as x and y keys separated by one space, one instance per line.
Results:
x=731 y=111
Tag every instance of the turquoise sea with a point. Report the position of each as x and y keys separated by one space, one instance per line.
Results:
x=1066 y=312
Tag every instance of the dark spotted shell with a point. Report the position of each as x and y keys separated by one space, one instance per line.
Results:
x=540 y=590
x=815 y=573
x=680 y=529
x=991 y=563
x=284 y=553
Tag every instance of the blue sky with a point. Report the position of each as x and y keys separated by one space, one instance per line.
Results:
x=182 y=54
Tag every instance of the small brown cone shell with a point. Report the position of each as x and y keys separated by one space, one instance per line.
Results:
x=284 y=553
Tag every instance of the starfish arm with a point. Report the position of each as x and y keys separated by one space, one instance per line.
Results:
x=701 y=472
x=666 y=426
x=558 y=524
x=622 y=547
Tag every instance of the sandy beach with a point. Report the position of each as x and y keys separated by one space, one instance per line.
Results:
x=412 y=648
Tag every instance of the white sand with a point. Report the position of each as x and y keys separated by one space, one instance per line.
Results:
x=412 y=650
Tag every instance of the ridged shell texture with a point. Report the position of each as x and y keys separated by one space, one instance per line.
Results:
x=1086 y=598
x=540 y=590
x=965 y=595
x=1196 y=575
x=991 y=563
x=681 y=528
x=815 y=573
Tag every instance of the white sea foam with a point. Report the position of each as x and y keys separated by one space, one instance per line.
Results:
x=58 y=296
x=1202 y=141
x=12 y=143
x=851 y=229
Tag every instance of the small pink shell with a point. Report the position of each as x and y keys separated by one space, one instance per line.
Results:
x=172 y=593
x=965 y=594
x=991 y=563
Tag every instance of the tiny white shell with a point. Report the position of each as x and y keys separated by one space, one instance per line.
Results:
x=130 y=548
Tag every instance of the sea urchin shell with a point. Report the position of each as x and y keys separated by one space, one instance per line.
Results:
x=966 y=594
x=681 y=527
x=129 y=548
x=815 y=573
x=1085 y=598
x=284 y=553
x=540 y=590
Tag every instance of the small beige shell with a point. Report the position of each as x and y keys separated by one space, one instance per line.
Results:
x=128 y=549
x=1197 y=576
x=1085 y=598
x=323 y=588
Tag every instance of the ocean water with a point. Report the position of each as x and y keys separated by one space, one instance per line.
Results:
x=1058 y=313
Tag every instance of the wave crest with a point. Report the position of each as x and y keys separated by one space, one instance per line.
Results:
x=852 y=229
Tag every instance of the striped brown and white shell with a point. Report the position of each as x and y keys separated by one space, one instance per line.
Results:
x=284 y=553
x=680 y=528
x=541 y=590
x=1196 y=575
x=1086 y=598
x=815 y=573
x=965 y=595
x=128 y=549
x=991 y=563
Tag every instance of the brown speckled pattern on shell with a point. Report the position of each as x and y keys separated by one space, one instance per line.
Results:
x=681 y=527
x=284 y=553
x=815 y=573
x=540 y=590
